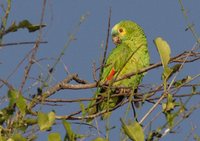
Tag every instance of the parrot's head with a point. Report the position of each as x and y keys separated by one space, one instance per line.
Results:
x=126 y=30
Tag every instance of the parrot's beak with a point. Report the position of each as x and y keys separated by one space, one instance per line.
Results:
x=116 y=40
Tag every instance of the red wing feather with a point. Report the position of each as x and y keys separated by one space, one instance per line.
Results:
x=111 y=74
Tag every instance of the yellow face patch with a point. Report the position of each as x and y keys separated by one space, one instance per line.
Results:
x=120 y=30
x=116 y=27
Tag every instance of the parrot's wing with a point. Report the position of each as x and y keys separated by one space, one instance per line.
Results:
x=115 y=62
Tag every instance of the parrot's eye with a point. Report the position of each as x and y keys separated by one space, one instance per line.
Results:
x=120 y=30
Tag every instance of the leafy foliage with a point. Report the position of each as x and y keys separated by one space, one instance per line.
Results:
x=164 y=51
x=54 y=137
x=45 y=121
x=133 y=130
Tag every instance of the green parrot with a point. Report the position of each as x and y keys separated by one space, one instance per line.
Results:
x=129 y=55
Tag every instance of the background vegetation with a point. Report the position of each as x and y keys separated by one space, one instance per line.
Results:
x=41 y=99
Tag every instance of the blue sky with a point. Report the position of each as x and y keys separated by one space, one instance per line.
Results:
x=158 y=18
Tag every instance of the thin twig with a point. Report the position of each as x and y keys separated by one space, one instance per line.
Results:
x=106 y=48
x=20 y=43
x=152 y=108
x=94 y=72
x=67 y=44
x=35 y=48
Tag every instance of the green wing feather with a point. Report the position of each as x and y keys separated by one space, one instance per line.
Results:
x=116 y=59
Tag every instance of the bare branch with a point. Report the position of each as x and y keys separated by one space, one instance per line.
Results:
x=20 y=43
x=106 y=48
x=35 y=48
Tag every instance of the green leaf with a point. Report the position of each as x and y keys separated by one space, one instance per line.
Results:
x=99 y=139
x=176 y=68
x=18 y=137
x=30 y=121
x=24 y=24
x=154 y=134
x=169 y=105
x=196 y=137
x=54 y=137
x=70 y=134
x=164 y=51
x=193 y=89
x=51 y=117
x=2 y=138
x=170 y=71
x=5 y=114
x=83 y=109
x=179 y=83
x=12 y=95
x=16 y=98
x=21 y=104
x=170 y=119
x=10 y=139
x=133 y=130
x=166 y=74
x=45 y=121
x=29 y=26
